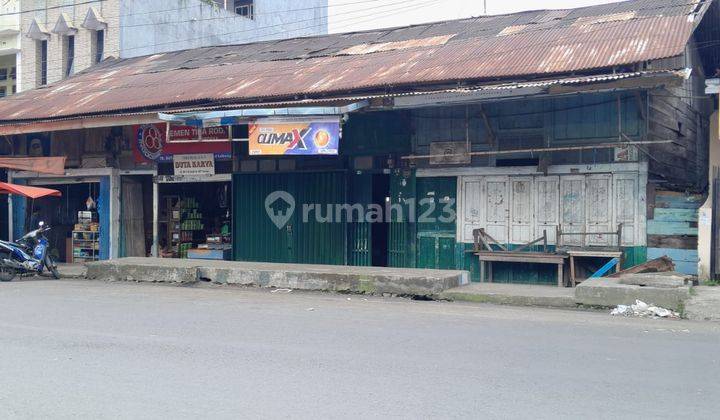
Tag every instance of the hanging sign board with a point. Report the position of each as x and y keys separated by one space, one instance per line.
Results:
x=272 y=137
x=197 y=164
x=150 y=144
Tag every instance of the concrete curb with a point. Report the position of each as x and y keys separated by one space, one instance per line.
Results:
x=344 y=279
x=662 y=290
x=514 y=300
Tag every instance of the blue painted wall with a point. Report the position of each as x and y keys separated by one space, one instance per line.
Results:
x=103 y=206
x=686 y=260
x=675 y=215
x=19 y=205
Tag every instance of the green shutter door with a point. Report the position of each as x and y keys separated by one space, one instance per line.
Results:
x=359 y=231
x=436 y=211
x=311 y=241
x=401 y=242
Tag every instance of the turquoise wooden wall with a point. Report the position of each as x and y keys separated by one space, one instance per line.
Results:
x=675 y=221
x=19 y=209
x=103 y=208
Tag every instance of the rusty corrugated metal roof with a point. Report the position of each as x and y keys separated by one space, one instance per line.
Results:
x=517 y=46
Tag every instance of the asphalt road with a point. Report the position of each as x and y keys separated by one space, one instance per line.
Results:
x=75 y=349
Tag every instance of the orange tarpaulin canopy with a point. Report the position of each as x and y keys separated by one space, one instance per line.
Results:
x=25 y=191
x=48 y=165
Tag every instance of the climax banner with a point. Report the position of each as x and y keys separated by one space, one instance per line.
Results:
x=150 y=144
x=294 y=138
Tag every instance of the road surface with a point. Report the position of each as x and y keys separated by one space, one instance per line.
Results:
x=76 y=349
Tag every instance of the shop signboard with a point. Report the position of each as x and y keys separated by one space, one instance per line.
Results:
x=195 y=164
x=150 y=144
x=316 y=137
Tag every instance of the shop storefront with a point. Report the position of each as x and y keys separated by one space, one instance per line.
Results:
x=191 y=189
x=80 y=219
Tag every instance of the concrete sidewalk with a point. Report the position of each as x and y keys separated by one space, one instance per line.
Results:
x=72 y=271
x=348 y=279
x=513 y=294
x=704 y=304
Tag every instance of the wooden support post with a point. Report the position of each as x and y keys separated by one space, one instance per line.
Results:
x=560 y=275
x=558 y=237
x=155 y=251
x=488 y=127
x=482 y=271
x=481 y=236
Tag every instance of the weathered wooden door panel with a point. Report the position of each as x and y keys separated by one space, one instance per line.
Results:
x=427 y=254
x=497 y=207
x=521 y=214
x=547 y=203
x=599 y=209
x=579 y=202
x=626 y=208
x=436 y=226
x=472 y=208
x=572 y=208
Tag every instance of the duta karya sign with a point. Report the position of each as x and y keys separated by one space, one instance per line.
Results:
x=197 y=164
x=278 y=137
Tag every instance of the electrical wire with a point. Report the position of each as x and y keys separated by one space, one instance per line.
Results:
x=247 y=73
x=371 y=16
x=689 y=3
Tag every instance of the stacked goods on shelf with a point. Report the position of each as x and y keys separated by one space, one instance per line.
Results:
x=86 y=238
x=185 y=221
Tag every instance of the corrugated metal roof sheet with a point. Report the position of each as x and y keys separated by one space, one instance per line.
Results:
x=537 y=43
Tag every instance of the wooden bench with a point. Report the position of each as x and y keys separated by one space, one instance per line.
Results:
x=589 y=251
x=487 y=255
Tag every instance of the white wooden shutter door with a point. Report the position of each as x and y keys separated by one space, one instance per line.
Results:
x=626 y=196
x=547 y=199
x=496 y=207
x=572 y=208
x=521 y=214
x=599 y=209
x=472 y=214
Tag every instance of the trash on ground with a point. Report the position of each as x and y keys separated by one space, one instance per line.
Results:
x=642 y=309
x=282 y=290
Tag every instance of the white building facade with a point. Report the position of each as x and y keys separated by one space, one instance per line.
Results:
x=61 y=37
x=9 y=46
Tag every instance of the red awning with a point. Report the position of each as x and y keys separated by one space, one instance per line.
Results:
x=25 y=191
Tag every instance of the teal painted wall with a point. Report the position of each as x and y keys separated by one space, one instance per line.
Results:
x=675 y=216
x=544 y=274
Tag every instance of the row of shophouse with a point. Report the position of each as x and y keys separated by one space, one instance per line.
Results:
x=522 y=125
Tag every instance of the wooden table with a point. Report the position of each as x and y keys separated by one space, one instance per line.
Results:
x=520 y=257
x=589 y=253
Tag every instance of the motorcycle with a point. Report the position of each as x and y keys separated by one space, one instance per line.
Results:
x=28 y=256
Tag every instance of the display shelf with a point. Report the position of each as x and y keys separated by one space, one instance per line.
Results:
x=86 y=245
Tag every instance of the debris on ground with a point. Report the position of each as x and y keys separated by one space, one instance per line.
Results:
x=281 y=290
x=642 y=309
x=658 y=265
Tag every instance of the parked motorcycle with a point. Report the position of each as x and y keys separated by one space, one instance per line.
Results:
x=28 y=256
